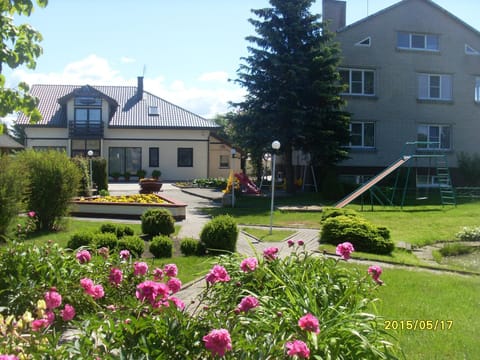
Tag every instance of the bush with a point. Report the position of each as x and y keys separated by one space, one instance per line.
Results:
x=220 y=234
x=120 y=230
x=469 y=234
x=157 y=222
x=162 y=247
x=333 y=212
x=85 y=187
x=54 y=180
x=363 y=235
x=132 y=243
x=190 y=246
x=108 y=240
x=13 y=187
x=80 y=239
x=99 y=173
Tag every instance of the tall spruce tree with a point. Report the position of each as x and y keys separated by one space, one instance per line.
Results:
x=293 y=87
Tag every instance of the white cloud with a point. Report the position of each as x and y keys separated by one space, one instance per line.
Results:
x=220 y=76
x=93 y=70
x=127 y=60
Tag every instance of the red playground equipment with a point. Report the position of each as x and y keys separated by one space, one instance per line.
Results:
x=246 y=184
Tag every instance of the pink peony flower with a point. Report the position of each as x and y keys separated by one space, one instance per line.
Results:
x=31 y=214
x=300 y=242
x=103 y=252
x=95 y=291
x=151 y=290
x=8 y=357
x=174 y=285
x=218 y=342
x=344 y=250
x=375 y=271
x=247 y=303
x=68 y=312
x=290 y=243
x=158 y=274
x=270 y=253
x=217 y=274
x=83 y=256
x=116 y=276
x=50 y=317
x=178 y=303
x=124 y=254
x=170 y=270
x=86 y=284
x=309 y=323
x=53 y=299
x=140 y=268
x=298 y=348
x=39 y=324
x=249 y=264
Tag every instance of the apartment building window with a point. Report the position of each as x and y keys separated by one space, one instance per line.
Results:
x=358 y=81
x=477 y=89
x=362 y=134
x=224 y=161
x=185 y=157
x=434 y=87
x=434 y=137
x=416 y=41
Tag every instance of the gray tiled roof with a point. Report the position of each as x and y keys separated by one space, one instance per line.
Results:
x=131 y=112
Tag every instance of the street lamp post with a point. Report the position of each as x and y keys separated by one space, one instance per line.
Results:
x=275 y=147
x=90 y=154
x=233 y=152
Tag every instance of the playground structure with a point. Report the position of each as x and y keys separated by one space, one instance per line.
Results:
x=246 y=185
x=442 y=176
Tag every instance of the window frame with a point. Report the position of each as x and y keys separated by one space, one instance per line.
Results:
x=424 y=89
x=363 y=135
x=224 y=164
x=363 y=81
x=123 y=152
x=153 y=157
x=412 y=36
x=428 y=143
x=476 y=96
x=181 y=153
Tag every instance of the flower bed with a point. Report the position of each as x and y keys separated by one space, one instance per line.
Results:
x=126 y=206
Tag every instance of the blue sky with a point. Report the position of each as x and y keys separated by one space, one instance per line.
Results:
x=189 y=49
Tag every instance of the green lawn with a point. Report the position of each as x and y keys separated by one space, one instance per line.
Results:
x=264 y=234
x=426 y=296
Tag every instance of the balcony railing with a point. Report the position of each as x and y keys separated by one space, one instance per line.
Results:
x=85 y=130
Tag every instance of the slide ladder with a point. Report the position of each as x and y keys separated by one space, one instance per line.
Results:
x=447 y=192
x=365 y=187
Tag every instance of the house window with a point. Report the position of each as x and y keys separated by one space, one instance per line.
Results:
x=470 y=50
x=153 y=157
x=224 y=161
x=434 y=87
x=153 y=110
x=477 y=89
x=434 y=137
x=358 y=82
x=80 y=147
x=362 y=134
x=123 y=160
x=414 y=41
x=365 y=42
x=185 y=157
x=88 y=112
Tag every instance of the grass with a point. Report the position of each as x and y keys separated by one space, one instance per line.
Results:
x=264 y=234
x=415 y=295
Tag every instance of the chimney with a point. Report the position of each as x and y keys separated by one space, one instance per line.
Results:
x=335 y=12
x=140 y=87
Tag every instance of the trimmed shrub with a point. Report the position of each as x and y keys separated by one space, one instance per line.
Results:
x=13 y=187
x=162 y=246
x=363 y=235
x=158 y=222
x=80 y=239
x=108 y=240
x=99 y=173
x=190 y=246
x=220 y=234
x=83 y=167
x=120 y=230
x=333 y=212
x=132 y=243
x=54 y=180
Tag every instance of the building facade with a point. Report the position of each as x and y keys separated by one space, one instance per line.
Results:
x=412 y=75
x=131 y=128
